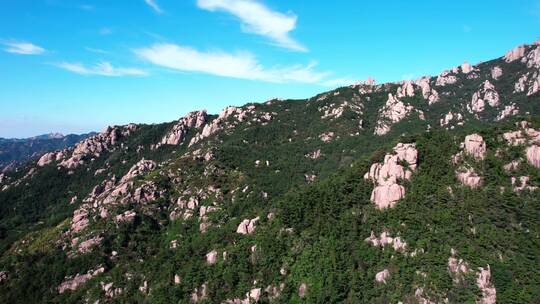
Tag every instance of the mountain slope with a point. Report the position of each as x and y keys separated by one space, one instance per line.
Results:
x=15 y=152
x=421 y=191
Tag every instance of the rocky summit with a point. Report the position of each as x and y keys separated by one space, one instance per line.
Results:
x=420 y=191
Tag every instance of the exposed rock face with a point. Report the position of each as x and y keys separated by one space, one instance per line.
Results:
x=406 y=89
x=445 y=78
x=385 y=239
x=247 y=226
x=192 y=120
x=483 y=281
x=79 y=279
x=128 y=216
x=468 y=177
x=327 y=137
x=532 y=60
x=382 y=276
x=466 y=68
x=496 y=72
x=3 y=276
x=86 y=246
x=200 y=294
x=523 y=136
x=48 y=158
x=336 y=110
x=533 y=155
x=79 y=220
x=449 y=117
x=515 y=54
x=386 y=175
x=475 y=146
x=140 y=168
x=509 y=110
x=457 y=268
x=211 y=257
x=523 y=184
x=393 y=112
x=253 y=296
x=229 y=118
x=95 y=145
x=314 y=154
x=485 y=94
x=302 y=290
x=429 y=94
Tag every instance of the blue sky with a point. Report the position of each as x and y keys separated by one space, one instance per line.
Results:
x=77 y=66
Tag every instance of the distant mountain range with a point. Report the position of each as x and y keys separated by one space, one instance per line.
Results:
x=17 y=151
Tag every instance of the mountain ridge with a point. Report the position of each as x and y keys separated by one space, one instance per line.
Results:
x=417 y=192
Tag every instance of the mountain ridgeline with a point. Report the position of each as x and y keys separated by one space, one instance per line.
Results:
x=420 y=191
x=15 y=152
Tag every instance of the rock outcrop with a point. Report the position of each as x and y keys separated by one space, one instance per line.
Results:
x=79 y=279
x=486 y=94
x=247 y=226
x=522 y=185
x=483 y=281
x=386 y=175
x=385 y=239
x=515 y=54
x=445 y=78
x=382 y=276
x=393 y=112
x=94 y=146
x=509 y=110
x=533 y=155
x=177 y=134
x=48 y=158
x=475 y=146
x=468 y=177
x=428 y=93
x=496 y=72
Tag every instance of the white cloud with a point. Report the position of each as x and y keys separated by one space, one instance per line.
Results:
x=154 y=6
x=258 y=19
x=101 y=69
x=105 y=31
x=97 y=51
x=23 y=48
x=242 y=65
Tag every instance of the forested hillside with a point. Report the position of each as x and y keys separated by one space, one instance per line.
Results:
x=420 y=191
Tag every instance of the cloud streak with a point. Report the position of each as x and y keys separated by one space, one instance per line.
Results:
x=101 y=69
x=258 y=19
x=23 y=48
x=241 y=65
x=153 y=4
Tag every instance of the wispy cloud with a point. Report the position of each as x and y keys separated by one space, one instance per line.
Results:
x=87 y=7
x=153 y=4
x=23 y=48
x=241 y=65
x=97 y=51
x=102 y=69
x=105 y=31
x=258 y=19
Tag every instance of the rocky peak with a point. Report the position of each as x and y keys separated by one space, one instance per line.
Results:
x=429 y=94
x=96 y=145
x=515 y=54
x=177 y=134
